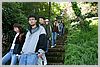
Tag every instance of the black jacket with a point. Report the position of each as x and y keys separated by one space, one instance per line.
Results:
x=42 y=43
x=19 y=43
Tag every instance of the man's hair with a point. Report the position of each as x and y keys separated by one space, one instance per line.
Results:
x=32 y=15
x=36 y=18
x=42 y=17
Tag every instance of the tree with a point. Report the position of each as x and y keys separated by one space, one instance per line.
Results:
x=84 y=25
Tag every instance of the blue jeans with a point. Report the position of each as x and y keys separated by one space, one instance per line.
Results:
x=9 y=56
x=54 y=37
x=48 y=42
x=63 y=30
x=28 y=59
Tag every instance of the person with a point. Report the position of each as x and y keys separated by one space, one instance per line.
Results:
x=16 y=47
x=49 y=31
x=35 y=43
x=54 y=33
x=45 y=23
x=61 y=28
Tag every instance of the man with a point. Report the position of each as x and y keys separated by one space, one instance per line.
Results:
x=61 y=27
x=35 y=43
x=45 y=23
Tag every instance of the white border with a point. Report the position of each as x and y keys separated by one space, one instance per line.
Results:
x=0 y=31
x=99 y=33
x=49 y=0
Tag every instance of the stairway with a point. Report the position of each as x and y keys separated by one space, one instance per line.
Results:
x=55 y=56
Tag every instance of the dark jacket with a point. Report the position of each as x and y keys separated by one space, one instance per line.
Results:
x=42 y=43
x=55 y=28
x=47 y=28
x=19 y=43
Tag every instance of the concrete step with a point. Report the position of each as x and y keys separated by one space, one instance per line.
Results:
x=59 y=46
x=55 y=59
x=55 y=49
x=55 y=64
x=55 y=54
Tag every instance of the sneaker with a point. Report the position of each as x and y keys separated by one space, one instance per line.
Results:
x=55 y=44
x=52 y=46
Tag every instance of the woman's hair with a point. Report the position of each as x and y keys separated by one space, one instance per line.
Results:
x=19 y=27
x=21 y=31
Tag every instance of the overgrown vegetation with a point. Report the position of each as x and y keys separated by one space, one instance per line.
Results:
x=81 y=45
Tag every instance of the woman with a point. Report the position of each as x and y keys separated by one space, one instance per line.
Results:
x=16 y=45
x=54 y=33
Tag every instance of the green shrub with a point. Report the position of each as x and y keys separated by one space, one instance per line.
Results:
x=82 y=47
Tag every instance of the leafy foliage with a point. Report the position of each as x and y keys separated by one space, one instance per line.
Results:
x=76 y=9
x=82 y=47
